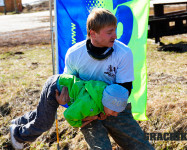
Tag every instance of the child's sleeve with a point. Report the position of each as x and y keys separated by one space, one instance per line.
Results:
x=75 y=113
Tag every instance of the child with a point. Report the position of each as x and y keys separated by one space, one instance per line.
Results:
x=87 y=98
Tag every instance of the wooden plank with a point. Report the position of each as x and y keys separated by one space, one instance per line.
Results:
x=169 y=2
x=168 y=18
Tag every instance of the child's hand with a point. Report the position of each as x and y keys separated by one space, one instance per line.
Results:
x=102 y=116
x=63 y=98
x=88 y=119
x=85 y=123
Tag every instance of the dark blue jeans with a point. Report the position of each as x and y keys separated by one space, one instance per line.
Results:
x=31 y=125
x=125 y=131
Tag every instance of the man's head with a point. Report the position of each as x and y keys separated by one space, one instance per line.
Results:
x=101 y=27
x=114 y=99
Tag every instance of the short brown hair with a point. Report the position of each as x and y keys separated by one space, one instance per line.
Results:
x=99 y=18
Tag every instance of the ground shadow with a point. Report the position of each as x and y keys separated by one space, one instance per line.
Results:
x=180 y=47
x=5 y=109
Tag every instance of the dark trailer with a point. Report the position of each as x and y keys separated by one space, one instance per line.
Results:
x=167 y=23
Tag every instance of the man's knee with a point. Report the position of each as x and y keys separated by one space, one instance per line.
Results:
x=96 y=136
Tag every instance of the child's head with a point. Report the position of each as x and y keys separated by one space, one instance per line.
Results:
x=114 y=99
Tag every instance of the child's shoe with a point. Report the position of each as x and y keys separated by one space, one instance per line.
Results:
x=15 y=143
x=13 y=121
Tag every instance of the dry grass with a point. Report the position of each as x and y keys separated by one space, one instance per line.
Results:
x=23 y=71
x=167 y=92
x=25 y=68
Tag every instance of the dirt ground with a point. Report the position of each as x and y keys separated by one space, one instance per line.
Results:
x=28 y=36
x=31 y=27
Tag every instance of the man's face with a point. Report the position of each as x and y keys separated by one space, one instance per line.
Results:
x=110 y=112
x=105 y=37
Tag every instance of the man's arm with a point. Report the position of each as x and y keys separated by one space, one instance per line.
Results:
x=69 y=64
x=127 y=85
x=125 y=71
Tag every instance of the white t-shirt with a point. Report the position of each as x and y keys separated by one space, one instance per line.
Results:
x=117 y=68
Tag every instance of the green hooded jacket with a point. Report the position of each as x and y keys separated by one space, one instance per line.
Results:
x=85 y=98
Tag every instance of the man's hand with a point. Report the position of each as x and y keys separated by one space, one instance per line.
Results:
x=63 y=98
x=102 y=116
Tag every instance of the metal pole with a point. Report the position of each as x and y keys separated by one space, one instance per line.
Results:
x=52 y=36
x=57 y=135
x=53 y=63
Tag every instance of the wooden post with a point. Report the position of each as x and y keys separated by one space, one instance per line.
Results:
x=15 y=6
x=5 y=7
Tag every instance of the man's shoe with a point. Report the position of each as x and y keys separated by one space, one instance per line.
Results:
x=15 y=143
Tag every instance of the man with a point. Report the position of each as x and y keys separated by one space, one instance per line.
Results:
x=102 y=57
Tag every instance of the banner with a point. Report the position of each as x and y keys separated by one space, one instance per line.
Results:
x=132 y=27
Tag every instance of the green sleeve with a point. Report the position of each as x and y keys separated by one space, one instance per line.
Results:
x=79 y=110
x=73 y=117
x=74 y=114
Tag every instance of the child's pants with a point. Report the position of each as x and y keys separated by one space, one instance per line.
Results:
x=34 y=123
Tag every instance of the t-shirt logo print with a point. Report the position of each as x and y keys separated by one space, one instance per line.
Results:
x=111 y=71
